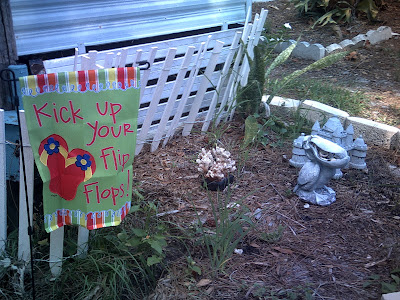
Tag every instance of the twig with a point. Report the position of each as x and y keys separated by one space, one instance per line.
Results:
x=291 y=220
x=374 y=263
x=230 y=276
x=294 y=233
x=277 y=191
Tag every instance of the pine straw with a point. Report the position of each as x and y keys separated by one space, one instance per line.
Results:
x=332 y=250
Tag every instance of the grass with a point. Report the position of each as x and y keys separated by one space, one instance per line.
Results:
x=231 y=226
x=331 y=94
x=110 y=269
x=123 y=262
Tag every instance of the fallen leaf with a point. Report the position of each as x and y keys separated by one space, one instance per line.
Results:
x=352 y=56
x=43 y=242
x=203 y=282
x=210 y=223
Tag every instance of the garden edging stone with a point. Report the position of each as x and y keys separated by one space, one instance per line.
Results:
x=391 y=296
x=317 y=51
x=373 y=133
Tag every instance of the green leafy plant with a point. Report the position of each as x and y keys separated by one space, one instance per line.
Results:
x=386 y=287
x=150 y=240
x=110 y=269
x=125 y=260
x=256 y=127
x=193 y=268
x=248 y=97
x=334 y=11
x=275 y=86
x=272 y=237
x=231 y=226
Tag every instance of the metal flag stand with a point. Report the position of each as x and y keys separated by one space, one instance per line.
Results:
x=9 y=76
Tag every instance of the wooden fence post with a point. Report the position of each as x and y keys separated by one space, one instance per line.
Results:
x=56 y=251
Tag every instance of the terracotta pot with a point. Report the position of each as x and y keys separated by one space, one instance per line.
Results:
x=213 y=185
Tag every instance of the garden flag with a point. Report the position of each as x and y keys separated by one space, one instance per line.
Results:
x=82 y=129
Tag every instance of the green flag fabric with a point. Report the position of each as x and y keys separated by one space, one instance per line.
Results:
x=82 y=129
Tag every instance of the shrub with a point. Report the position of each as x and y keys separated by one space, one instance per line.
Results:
x=333 y=11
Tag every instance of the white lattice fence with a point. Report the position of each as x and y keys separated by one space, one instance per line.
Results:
x=192 y=79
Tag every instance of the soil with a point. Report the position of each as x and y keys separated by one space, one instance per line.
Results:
x=331 y=251
x=342 y=251
x=372 y=69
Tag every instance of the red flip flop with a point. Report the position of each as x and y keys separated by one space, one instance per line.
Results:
x=79 y=167
x=53 y=152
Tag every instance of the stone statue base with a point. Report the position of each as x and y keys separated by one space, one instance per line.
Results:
x=323 y=196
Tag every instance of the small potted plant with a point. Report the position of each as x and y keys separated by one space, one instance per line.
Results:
x=216 y=167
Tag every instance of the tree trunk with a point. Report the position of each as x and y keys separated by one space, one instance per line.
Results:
x=8 y=48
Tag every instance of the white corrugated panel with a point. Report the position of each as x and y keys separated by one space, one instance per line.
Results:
x=49 y=25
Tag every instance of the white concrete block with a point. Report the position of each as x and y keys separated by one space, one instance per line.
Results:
x=374 y=133
x=301 y=49
x=285 y=102
x=309 y=51
x=333 y=47
x=346 y=43
x=316 y=111
x=359 y=40
x=386 y=32
x=282 y=46
x=316 y=51
x=283 y=106
x=381 y=34
x=391 y=296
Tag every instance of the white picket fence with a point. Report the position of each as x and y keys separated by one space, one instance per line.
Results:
x=192 y=79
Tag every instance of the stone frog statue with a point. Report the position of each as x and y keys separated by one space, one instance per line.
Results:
x=325 y=157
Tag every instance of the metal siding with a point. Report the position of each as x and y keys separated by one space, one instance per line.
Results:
x=49 y=25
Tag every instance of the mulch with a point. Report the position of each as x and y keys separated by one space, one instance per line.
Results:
x=327 y=252
x=331 y=251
